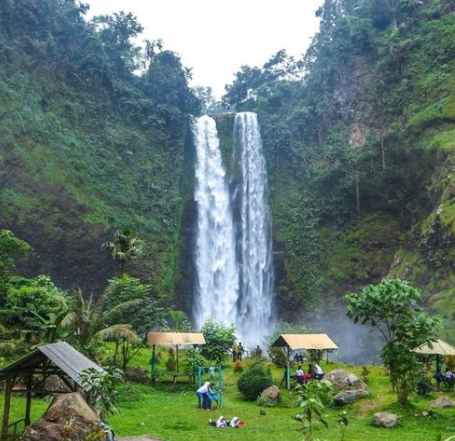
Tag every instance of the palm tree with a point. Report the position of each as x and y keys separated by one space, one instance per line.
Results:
x=125 y=247
x=88 y=323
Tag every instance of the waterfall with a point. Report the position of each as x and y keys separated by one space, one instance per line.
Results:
x=256 y=315
x=233 y=252
x=217 y=279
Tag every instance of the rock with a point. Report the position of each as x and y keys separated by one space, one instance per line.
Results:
x=137 y=375
x=384 y=419
x=270 y=396
x=348 y=396
x=442 y=402
x=344 y=380
x=68 y=413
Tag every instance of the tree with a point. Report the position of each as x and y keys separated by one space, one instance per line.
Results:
x=392 y=307
x=102 y=389
x=147 y=313
x=27 y=301
x=88 y=322
x=10 y=248
x=313 y=398
x=219 y=339
x=125 y=247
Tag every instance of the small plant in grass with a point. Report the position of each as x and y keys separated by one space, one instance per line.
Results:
x=171 y=363
x=253 y=381
x=365 y=374
x=343 y=422
x=101 y=389
x=238 y=367
x=313 y=398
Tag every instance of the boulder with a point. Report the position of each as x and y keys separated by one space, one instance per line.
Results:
x=348 y=396
x=270 y=396
x=344 y=380
x=69 y=415
x=384 y=419
x=442 y=402
x=137 y=375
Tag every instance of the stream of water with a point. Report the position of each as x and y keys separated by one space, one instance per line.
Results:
x=233 y=255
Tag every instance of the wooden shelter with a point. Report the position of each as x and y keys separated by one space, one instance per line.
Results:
x=172 y=339
x=175 y=338
x=316 y=342
x=438 y=347
x=311 y=342
x=28 y=376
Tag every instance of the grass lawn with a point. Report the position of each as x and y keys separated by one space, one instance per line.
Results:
x=170 y=411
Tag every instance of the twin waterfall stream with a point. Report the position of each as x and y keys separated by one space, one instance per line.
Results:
x=233 y=252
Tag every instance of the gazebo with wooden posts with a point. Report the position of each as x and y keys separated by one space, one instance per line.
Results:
x=439 y=348
x=172 y=339
x=313 y=342
x=28 y=376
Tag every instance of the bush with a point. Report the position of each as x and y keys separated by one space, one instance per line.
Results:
x=171 y=363
x=238 y=367
x=252 y=382
x=278 y=357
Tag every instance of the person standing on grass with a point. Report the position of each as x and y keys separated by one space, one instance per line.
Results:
x=318 y=373
x=240 y=351
x=300 y=376
x=213 y=395
x=203 y=396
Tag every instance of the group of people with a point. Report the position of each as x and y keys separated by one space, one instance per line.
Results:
x=207 y=394
x=315 y=372
x=222 y=422
x=448 y=377
x=237 y=352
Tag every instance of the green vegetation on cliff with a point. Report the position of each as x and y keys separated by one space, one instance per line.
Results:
x=358 y=137
x=87 y=143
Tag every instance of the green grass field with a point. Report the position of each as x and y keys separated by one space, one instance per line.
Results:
x=170 y=411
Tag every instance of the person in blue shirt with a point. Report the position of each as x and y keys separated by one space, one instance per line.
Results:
x=213 y=395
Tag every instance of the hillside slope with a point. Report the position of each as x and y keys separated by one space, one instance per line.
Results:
x=88 y=146
x=360 y=154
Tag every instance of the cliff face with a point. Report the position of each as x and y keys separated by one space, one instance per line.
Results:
x=360 y=155
x=87 y=146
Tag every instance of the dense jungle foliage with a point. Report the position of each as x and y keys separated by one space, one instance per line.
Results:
x=358 y=137
x=92 y=138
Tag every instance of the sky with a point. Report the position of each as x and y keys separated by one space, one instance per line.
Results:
x=216 y=37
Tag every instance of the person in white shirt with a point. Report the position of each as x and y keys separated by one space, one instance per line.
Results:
x=318 y=373
x=203 y=396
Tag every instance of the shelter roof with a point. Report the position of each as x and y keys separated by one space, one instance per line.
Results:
x=438 y=347
x=320 y=342
x=175 y=338
x=61 y=355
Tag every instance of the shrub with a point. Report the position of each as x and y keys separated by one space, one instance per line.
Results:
x=171 y=363
x=252 y=382
x=278 y=357
x=238 y=367
x=450 y=361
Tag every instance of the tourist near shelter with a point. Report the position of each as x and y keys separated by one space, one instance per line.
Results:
x=172 y=339
x=28 y=376
x=311 y=342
